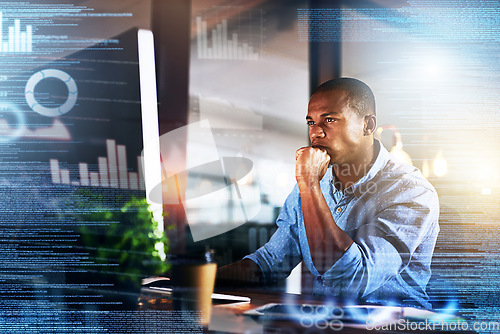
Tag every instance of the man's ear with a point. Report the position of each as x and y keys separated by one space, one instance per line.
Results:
x=370 y=125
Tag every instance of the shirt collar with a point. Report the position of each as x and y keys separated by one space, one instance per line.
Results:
x=381 y=160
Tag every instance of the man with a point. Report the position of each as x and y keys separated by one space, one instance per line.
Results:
x=364 y=224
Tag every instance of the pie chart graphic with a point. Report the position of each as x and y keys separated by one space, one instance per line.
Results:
x=29 y=92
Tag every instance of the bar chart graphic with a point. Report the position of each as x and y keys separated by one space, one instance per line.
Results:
x=14 y=39
x=112 y=171
x=241 y=41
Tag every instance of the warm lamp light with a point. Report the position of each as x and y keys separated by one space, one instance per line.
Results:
x=440 y=165
x=397 y=146
x=245 y=180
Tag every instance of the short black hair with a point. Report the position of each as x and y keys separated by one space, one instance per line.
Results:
x=361 y=96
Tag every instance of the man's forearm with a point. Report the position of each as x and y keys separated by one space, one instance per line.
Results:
x=327 y=242
x=244 y=273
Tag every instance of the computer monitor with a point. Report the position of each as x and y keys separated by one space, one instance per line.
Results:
x=149 y=114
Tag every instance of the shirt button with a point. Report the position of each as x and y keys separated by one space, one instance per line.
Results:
x=339 y=210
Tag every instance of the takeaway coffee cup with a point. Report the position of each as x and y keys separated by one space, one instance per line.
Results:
x=192 y=288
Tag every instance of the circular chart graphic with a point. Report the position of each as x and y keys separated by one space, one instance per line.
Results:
x=29 y=92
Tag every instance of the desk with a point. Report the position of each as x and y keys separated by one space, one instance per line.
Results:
x=229 y=318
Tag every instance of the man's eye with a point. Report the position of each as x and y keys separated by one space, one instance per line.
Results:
x=329 y=120
x=310 y=123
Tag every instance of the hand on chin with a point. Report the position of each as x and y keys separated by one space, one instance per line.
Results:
x=311 y=164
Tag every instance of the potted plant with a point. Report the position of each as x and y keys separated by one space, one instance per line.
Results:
x=124 y=242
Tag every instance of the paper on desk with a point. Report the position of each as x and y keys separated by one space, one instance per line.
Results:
x=217 y=297
x=149 y=280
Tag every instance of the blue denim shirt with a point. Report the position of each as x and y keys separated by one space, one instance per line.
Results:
x=391 y=214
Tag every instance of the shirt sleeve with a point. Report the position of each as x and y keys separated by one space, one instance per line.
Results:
x=281 y=253
x=385 y=242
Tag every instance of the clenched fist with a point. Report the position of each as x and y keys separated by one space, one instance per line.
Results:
x=311 y=165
